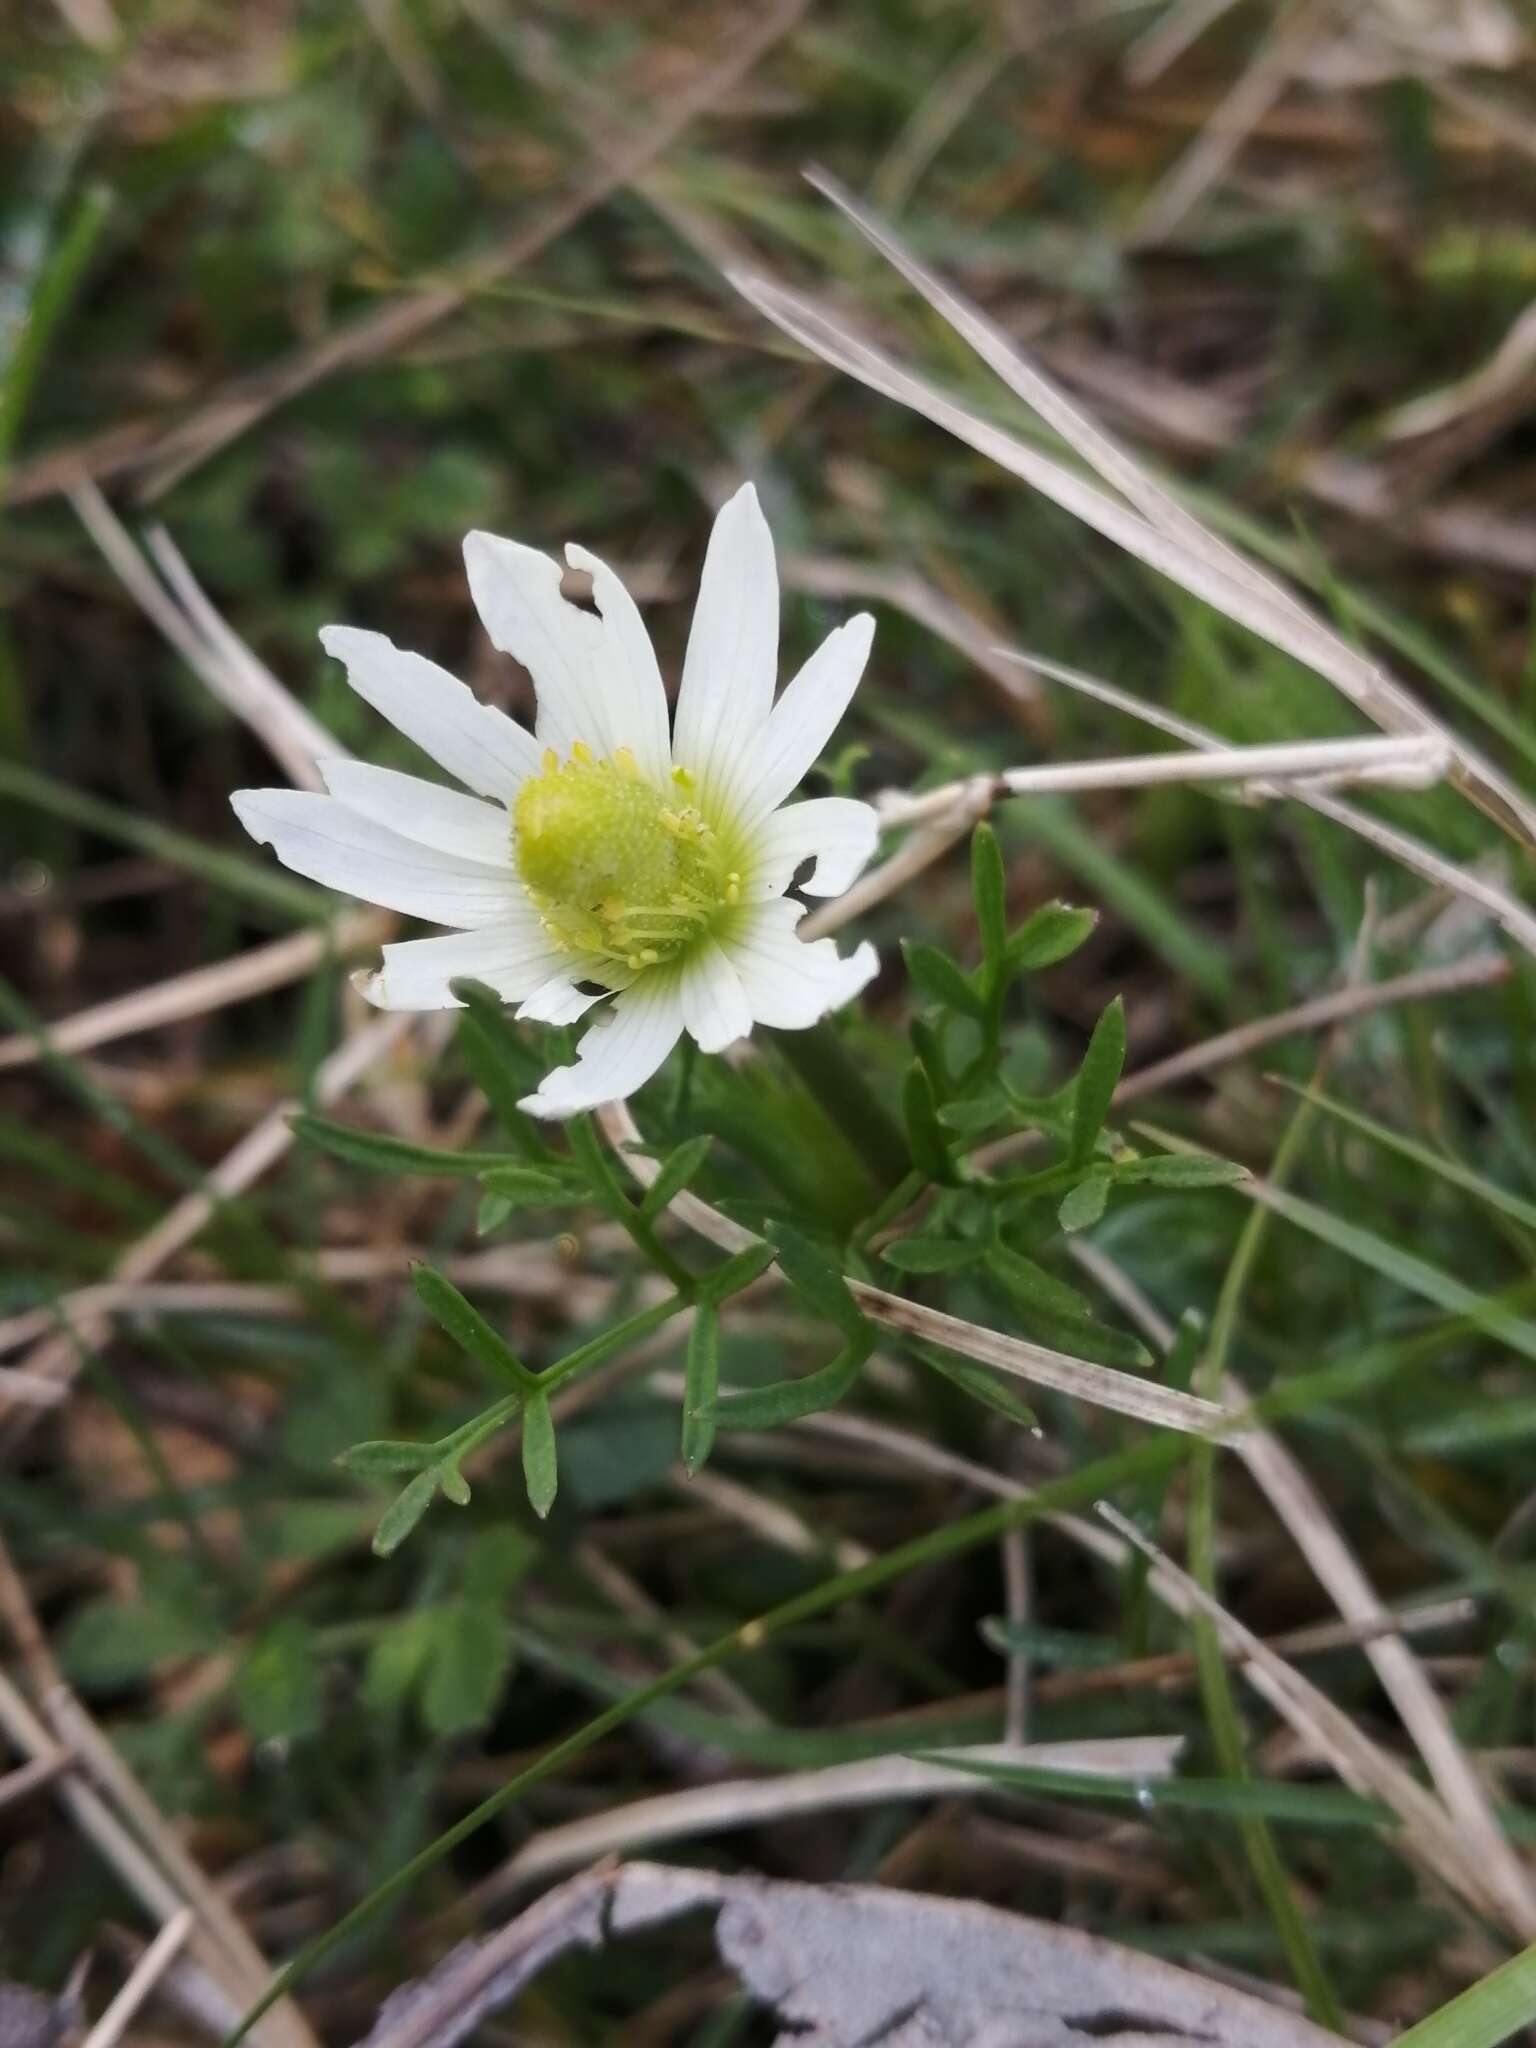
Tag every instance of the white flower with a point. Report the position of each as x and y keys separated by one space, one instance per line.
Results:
x=607 y=854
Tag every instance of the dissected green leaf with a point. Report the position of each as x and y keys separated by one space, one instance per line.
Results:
x=930 y=1153
x=812 y=1274
x=677 y=1170
x=1032 y=1284
x=702 y=1379
x=532 y=1187
x=404 y=1512
x=931 y=1254
x=466 y=1326
x=455 y=1487
x=381 y=1153
x=1180 y=1170
x=978 y=1382
x=989 y=887
x=540 y=1467
x=736 y=1272
x=1047 y=935
x=385 y=1455
x=1083 y=1205
x=974 y=1114
x=941 y=979
x=1097 y=1080
x=787 y=1400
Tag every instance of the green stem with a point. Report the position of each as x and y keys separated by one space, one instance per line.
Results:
x=838 y=1085
x=593 y=1155
x=602 y=1346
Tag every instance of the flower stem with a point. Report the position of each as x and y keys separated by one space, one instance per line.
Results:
x=837 y=1083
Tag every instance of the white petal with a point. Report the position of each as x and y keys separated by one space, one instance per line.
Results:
x=620 y=1052
x=477 y=744
x=423 y=811
x=715 y=1008
x=511 y=958
x=838 y=832
x=733 y=653
x=591 y=682
x=789 y=982
x=806 y=716
x=559 y=1000
x=319 y=837
x=628 y=647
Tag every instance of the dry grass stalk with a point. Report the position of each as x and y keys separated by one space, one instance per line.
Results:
x=1304 y=1515
x=1431 y=1835
x=1255 y=773
x=225 y=1998
x=830 y=1788
x=1141 y=516
x=114 y=1809
x=171 y=455
x=202 y=989
x=769 y=1520
x=141 y=1981
x=1468 y=883
x=216 y=655
x=1230 y=124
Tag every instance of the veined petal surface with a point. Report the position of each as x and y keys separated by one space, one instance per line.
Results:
x=591 y=681
x=477 y=744
x=422 y=811
x=805 y=717
x=319 y=837
x=838 y=832
x=788 y=982
x=619 y=1054
x=715 y=1008
x=628 y=646
x=731 y=665
x=513 y=958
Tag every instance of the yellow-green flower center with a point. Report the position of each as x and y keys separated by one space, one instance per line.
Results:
x=627 y=873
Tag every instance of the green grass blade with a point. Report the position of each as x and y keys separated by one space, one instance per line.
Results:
x=1490 y=2012
x=1450 y=1170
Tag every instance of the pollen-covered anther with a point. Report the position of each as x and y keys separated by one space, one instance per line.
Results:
x=617 y=869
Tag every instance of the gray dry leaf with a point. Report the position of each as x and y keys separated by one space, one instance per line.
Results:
x=847 y=1965
x=30 y=2019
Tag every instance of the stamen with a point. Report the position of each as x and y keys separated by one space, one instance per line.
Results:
x=619 y=874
